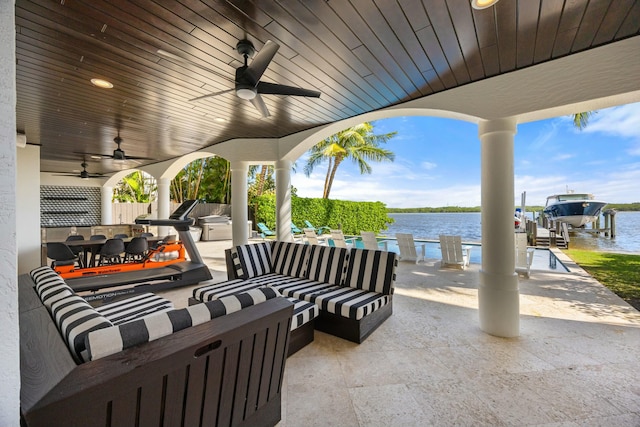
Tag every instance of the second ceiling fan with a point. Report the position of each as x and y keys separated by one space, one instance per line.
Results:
x=247 y=82
x=118 y=153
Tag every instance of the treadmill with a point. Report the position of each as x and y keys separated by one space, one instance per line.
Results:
x=153 y=279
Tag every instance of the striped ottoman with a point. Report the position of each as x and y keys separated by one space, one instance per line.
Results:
x=304 y=312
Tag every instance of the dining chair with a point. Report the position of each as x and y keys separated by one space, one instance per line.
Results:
x=136 y=250
x=111 y=251
x=61 y=254
x=75 y=249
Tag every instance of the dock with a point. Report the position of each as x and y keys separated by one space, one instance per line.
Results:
x=549 y=237
x=545 y=233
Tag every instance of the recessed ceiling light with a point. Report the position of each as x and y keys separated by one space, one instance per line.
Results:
x=482 y=4
x=96 y=157
x=102 y=83
x=220 y=120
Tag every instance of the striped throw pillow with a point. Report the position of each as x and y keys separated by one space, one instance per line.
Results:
x=50 y=286
x=371 y=270
x=75 y=319
x=104 y=342
x=254 y=259
x=290 y=259
x=326 y=264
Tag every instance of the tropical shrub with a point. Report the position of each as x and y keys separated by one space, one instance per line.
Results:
x=352 y=217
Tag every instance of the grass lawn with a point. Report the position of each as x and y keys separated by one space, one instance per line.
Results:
x=618 y=272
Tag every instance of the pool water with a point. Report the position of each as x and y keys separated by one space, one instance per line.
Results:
x=543 y=259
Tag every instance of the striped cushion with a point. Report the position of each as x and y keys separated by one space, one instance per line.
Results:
x=237 y=266
x=136 y=307
x=326 y=264
x=303 y=312
x=371 y=270
x=219 y=290
x=254 y=259
x=75 y=319
x=50 y=286
x=274 y=280
x=112 y=340
x=289 y=258
x=345 y=301
x=297 y=288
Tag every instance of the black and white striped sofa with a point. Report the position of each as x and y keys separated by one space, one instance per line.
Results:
x=139 y=360
x=352 y=288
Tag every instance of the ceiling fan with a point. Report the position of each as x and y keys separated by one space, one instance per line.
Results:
x=118 y=153
x=84 y=174
x=247 y=82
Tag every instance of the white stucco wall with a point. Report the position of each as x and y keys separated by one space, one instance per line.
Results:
x=28 y=204
x=9 y=350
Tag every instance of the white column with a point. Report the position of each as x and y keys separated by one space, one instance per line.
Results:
x=498 y=294
x=10 y=348
x=107 y=205
x=163 y=205
x=283 y=200
x=239 y=201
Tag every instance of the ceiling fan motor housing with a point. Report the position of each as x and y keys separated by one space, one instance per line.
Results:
x=245 y=47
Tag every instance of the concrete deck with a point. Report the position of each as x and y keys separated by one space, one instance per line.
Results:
x=574 y=364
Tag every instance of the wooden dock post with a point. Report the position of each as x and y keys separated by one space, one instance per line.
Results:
x=610 y=222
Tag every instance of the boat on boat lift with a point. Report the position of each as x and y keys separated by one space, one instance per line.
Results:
x=575 y=209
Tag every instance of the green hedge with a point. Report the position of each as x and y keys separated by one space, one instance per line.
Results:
x=353 y=217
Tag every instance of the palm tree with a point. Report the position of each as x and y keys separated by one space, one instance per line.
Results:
x=205 y=179
x=357 y=143
x=136 y=187
x=580 y=120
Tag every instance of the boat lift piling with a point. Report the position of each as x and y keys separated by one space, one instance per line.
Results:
x=546 y=233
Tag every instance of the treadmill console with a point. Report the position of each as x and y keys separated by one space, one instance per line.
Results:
x=178 y=219
x=183 y=210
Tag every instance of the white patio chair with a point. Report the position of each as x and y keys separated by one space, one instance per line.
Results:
x=524 y=255
x=339 y=241
x=311 y=237
x=453 y=253
x=409 y=249
x=370 y=242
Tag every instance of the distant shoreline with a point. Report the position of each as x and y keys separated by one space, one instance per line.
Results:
x=620 y=207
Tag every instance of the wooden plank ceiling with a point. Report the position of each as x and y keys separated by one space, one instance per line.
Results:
x=362 y=55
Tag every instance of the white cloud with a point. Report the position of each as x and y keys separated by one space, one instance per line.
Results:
x=561 y=157
x=549 y=133
x=623 y=121
x=428 y=165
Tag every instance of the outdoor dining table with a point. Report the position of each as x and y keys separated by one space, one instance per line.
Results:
x=93 y=247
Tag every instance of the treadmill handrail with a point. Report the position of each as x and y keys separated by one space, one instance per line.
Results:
x=178 y=224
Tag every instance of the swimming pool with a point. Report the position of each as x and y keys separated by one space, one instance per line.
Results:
x=543 y=259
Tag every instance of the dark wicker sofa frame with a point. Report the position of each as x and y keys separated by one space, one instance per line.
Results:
x=350 y=329
x=225 y=372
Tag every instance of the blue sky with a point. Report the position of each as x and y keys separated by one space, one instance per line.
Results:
x=438 y=162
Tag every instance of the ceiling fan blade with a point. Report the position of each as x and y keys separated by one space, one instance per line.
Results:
x=277 y=89
x=211 y=94
x=94 y=155
x=258 y=102
x=135 y=158
x=254 y=72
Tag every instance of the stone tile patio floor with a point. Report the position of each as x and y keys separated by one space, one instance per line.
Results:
x=576 y=362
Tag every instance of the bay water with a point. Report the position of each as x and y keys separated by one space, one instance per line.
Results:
x=468 y=225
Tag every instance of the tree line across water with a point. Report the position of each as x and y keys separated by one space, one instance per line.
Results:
x=635 y=206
